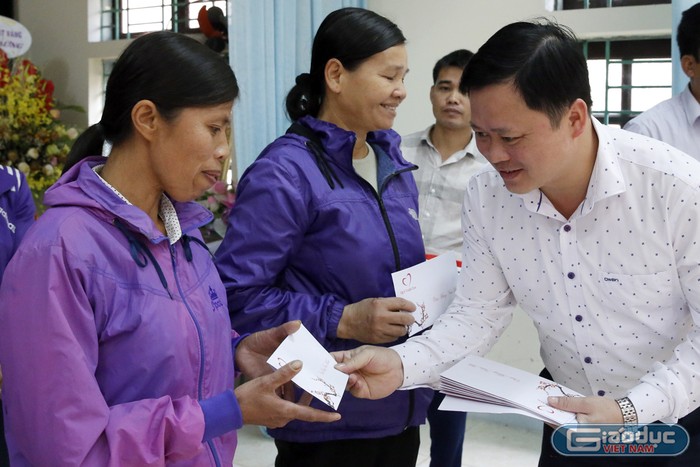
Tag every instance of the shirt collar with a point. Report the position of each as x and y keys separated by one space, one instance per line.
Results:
x=690 y=105
x=469 y=150
x=606 y=179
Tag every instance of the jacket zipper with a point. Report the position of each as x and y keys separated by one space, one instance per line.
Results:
x=200 y=377
x=397 y=264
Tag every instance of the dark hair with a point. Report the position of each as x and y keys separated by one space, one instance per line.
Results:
x=688 y=33
x=457 y=59
x=351 y=35
x=544 y=61
x=172 y=70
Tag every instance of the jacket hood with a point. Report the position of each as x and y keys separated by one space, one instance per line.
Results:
x=81 y=187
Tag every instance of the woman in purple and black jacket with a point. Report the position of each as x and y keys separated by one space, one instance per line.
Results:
x=115 y=339
x=322 y=218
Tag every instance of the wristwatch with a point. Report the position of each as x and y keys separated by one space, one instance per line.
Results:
x=629 y=413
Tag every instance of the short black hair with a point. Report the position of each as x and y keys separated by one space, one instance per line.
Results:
x=457 y=59
x=543 y=60
x=688 y=33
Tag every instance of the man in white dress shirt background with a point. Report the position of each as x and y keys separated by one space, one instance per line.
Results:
x=676 y=121
x=446 y=156
x=591 y=230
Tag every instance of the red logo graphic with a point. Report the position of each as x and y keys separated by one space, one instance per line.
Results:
x=406 y=281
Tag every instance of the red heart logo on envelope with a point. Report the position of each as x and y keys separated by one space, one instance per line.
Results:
x=406 y=281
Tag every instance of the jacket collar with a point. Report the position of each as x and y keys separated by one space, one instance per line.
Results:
x=339 y=143
x=82 y=187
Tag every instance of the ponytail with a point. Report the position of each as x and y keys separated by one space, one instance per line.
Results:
x=303 y=99
x=89 y=143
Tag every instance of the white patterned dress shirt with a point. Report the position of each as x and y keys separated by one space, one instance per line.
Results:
x=441 y=188
x=614 y=291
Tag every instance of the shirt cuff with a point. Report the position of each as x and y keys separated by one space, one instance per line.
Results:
x=417 y=369
x=652 y=404
x=221 y=415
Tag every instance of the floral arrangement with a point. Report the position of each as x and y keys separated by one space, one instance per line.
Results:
x=219 y=200
x=32 y=138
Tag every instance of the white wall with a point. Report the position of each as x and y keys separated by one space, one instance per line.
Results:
x=434 y=28
x=61 y=49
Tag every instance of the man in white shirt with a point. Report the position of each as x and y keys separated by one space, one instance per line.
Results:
x=591 y=230
x=676 y=121
x=446 y=156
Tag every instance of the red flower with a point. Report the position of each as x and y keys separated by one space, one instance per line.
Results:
x=46 y=89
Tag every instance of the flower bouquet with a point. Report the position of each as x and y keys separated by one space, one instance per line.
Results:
x=219 y=200
x=32 y=138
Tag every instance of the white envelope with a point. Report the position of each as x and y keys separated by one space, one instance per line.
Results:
x=430 y=285
x=318 y=376
x=494 y=387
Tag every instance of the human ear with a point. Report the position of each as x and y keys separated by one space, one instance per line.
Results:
x=689 y=64
x=578 y=117
x=144 y=117
x=333 y=73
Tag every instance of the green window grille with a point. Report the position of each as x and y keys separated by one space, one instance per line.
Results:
x=124 y=19
x=628 y=76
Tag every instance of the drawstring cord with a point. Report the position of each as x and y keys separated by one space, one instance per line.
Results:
x=141 y=254
x=313 y=143
x=186 y=240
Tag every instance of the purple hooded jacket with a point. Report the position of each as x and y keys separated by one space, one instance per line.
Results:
x=305 y=240
x=116 y=347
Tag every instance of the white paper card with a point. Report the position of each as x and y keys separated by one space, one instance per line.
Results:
x=318 y=376
x=430 y=285
x=457 y=404
x=493 y=383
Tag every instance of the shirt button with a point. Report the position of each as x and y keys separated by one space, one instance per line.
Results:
x=579 y=318
x=601 y=393
x=571 y=275
x=567 y=228
x=587 y=360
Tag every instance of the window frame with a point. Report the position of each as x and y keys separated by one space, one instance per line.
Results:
x=626 y=52
x=563 y=5
x=111 y=24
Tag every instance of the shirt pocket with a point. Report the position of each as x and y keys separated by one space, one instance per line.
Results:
x=637 y=294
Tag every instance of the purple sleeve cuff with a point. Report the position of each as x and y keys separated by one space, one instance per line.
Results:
x=237 y=340
x=221 y=415
x=334 y=314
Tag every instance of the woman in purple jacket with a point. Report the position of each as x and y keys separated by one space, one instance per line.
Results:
x=322 y=218
x=115 y=338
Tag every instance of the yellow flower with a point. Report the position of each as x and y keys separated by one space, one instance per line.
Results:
x=32 y=138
